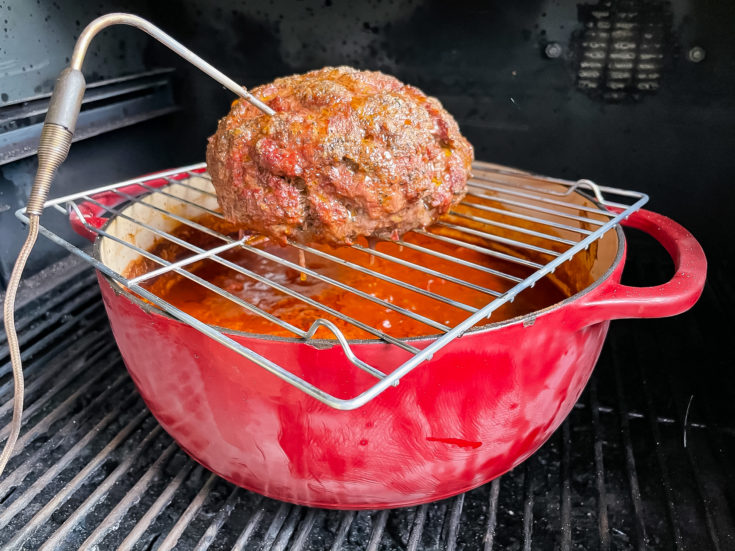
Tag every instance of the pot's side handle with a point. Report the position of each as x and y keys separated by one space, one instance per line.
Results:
x=96 y=212
x=671 y=298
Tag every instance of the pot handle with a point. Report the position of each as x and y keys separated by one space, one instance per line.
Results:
x=668 y=299
x=93 y=212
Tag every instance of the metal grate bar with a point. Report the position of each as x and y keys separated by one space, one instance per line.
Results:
x=434 y=272
x=194 y=188
x=527 y=507
x=417 y=528
x=42 y=426
x=169 y=214
x=577 y=185
x=261 y=279
x=200 y=253
x=459 y=261
x=189 y=169
x=55 y=334
x=535 y=204
x=492 y=517
x=454 y=518
x=259 y=360
x=512 y=227
x=630 y=466
x=41 y=401
x=710 y=509
x=395 y=281
x=248 y=530
x=58 y=537
x=344 y=529
x=287 y=530
x=71 y=296
x=188 y=515
x=344 y=287
x=76 y=483
x=46 y=364
x=377 y=532
x=304 y=529
x=602 y=518
x=209 y=536
x=566 y=488
x=112 y=520
x=24 y=323
x=184 y=262
x=661 y=419
x=189 y=275
x=27 y=496
x=537 y=197
x=278 y=519
x=254 y=309
x=434 y=531
x=154 y=510
x=661 y=461
x=483 y=250
x=536 y=208
x=182 y=199
x=19 y=473
x=40 y=382
x=571 y=186
x=526 y=217
x=400 y=283
x=504 y=240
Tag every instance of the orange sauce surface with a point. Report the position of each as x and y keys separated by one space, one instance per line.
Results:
x=215 y=309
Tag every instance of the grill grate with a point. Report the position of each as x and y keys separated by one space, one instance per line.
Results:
x=94 y=468
x=548 y=219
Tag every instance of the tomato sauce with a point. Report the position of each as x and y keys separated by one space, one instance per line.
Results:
x=215 y=309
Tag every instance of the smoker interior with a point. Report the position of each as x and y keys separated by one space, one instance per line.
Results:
x=616 y=475
x=629 y=468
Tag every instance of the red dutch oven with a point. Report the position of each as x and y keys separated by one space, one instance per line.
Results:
x=482 y=405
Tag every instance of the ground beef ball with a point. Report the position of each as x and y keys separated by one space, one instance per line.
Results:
x=348 y=153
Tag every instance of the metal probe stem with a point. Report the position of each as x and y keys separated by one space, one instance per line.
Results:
x=80 y=50
x=56 y=137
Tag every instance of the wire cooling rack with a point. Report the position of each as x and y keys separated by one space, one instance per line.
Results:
x=544 y=215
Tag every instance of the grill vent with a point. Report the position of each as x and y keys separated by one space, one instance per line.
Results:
x=622 y=49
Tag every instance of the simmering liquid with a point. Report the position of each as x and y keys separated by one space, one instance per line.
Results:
x=215 y=309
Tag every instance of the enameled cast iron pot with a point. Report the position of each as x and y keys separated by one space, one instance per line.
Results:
x=481 y=406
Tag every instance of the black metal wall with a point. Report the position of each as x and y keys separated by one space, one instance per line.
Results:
x=511 y=72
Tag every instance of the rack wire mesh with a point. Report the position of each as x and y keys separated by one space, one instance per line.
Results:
x=531 y=223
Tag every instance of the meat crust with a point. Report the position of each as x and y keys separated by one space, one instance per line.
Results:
x=348 y=153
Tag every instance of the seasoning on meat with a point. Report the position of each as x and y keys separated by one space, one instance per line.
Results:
x=348 y=153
